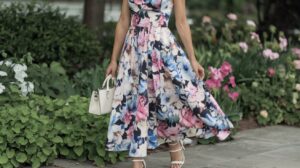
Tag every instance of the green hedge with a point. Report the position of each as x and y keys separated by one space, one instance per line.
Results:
x=48 y=35
x=37 y=129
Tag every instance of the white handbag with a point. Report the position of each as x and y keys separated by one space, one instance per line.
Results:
x=101 y=99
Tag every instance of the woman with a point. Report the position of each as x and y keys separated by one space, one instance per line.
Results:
x=160 y=95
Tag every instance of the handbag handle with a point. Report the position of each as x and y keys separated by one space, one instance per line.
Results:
x=107 y=80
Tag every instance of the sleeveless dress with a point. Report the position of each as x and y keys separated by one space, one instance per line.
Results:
x=158 y=97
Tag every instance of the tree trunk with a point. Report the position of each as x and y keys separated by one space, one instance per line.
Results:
x=94 y=13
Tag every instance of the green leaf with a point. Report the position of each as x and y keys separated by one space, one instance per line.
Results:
x=36 y=162
x=78 y=150
x=47 y=151
x=101 y=152
x=57 y=139
x=21 y=157
x=3 y=159
x=10 y=153
x=64 y=151
x=22 y=141
x=99 y=161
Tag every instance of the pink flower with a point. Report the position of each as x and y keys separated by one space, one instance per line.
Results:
x=271 y=72
x=142 y=109
x=268 y=53
x=297 y=64
x=225 y=68
x=211 y=83
x=206 y=19
x=296 y=51
x=215 y=73
x=232 y=16
x=255 y=36
x=232 y=81
x=162 y=19
x=233 y=96
x=283 y=43
x=244 y=46
x=226 y=88
x=156 y=61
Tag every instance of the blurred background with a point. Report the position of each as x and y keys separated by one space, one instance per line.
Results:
x=54 y=53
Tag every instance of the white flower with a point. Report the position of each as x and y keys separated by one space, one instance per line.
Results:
x=1 y=62
x=264 y=113
x=20 y=76
x=19 y=68
x=26 y=87
x=251 y=23
x=206 y=19
x=244 y=46
x=283 y=43
x=2 y=88
x=8 y=63
x=2 y=73
x=232 y=16
x=297 y=87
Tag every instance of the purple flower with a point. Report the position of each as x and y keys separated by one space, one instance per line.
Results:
x=244 y=46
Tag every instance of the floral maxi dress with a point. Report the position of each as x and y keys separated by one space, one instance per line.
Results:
x=158 y=97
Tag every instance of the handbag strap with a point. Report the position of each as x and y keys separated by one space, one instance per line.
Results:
x=107 y=80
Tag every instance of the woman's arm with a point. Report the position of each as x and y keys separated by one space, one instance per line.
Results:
x=184 y=32
x=120 y=33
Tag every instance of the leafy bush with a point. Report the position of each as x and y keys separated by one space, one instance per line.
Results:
x=48 y=35
x=38 y=129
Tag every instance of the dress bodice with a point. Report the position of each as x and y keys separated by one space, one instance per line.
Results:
x=150 y=12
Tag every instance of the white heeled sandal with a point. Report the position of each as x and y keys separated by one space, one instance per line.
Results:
x=178 y=162
x=140 y=160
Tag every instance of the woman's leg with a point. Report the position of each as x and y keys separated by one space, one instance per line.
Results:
x=177 y=155
x=137 y=162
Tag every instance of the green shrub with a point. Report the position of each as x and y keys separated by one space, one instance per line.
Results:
x=39 y=129
x=48 y=35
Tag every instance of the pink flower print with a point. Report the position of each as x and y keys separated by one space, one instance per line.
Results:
x=186 y=117
x=129 y=132
x=244 y=46
x=156 y=81
x=127 y=117
x=283 y=43
x=151 y=89
x=161 y=128
x=142 y=108
x=206 y=19
x=271 y=72
x=232 y=81
x=138 y=2
x=144 y=22
x=296 y=51
x=156 y=61
x=225 y=68
x=296 y=64
x=162 y=20
x=233 y=95
x=135 y=19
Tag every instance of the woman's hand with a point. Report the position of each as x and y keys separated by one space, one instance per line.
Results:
x=199 y=70
x=112 y=68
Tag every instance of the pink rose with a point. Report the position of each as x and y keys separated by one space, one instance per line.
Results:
x=232 y=16
x=255 y=36
x=225 y=68
x=211 y=83
x=283 y=43
x=244 y=46
x=233 y=95
x=297 y=64
x=268 y=53
x=186 y=117
x=215 y=73
x=296 y=51
x=226 y=88
x=271 y=72
x=142 y=109
x=232 y=81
